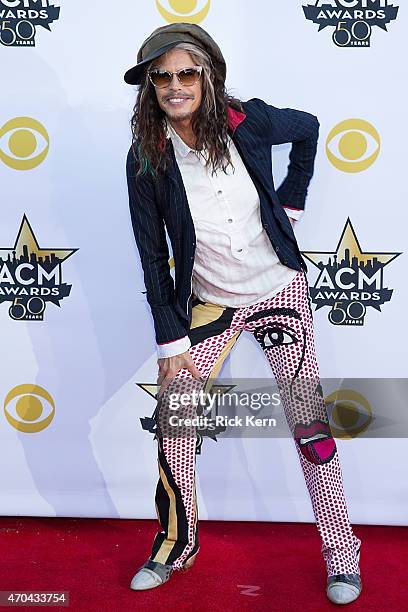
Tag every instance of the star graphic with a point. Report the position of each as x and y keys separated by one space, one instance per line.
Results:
x=26 y=238
x=210 y=389
x=347 y=248
x=214 y=389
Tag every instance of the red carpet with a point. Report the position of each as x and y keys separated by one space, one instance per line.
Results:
x=241 y=566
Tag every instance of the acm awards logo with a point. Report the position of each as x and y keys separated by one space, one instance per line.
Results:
x=31 y=276
x=20 y=18
x=350 y=280
x=189 y=11
x=353 y=20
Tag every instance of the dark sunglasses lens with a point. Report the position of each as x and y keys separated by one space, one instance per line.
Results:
x=188 y=76
x=160 y=78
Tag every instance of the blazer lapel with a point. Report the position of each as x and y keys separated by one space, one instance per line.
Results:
x=252 y=156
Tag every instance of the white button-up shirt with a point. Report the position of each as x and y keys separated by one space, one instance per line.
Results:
x=235 y=263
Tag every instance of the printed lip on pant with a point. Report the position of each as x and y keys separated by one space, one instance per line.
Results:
x=315 y=441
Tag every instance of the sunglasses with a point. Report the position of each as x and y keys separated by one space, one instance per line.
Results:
x=186 y=76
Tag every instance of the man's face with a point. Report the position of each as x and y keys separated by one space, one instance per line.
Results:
x=169 y=97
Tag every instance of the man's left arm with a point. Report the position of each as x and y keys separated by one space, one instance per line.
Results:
x=302 y=130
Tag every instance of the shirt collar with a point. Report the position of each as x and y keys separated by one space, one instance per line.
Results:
x=178 y=143
x=181 y=148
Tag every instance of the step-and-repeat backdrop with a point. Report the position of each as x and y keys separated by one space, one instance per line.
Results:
x=78 y=358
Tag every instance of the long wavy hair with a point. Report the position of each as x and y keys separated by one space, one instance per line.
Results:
x=209 y=120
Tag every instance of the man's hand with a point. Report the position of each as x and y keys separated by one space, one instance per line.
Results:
x=169 y=367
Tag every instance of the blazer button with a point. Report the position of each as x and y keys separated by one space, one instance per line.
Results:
x=276 y=248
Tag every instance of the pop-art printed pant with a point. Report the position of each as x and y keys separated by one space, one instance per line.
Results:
x=283 y=326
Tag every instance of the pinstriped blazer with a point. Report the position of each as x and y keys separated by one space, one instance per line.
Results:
x=157 y=205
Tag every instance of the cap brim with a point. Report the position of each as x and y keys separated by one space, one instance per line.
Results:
x=133 y=75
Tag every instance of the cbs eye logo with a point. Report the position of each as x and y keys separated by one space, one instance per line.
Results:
x=353 y=145
x=349 y=413
x=29 y=408
x=178 y=11
x=24 y=143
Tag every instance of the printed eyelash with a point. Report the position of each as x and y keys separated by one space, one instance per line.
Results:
x=262 y=333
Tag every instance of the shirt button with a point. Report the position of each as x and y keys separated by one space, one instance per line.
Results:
x=230 y=220
x=239 y=250
x=219 y=192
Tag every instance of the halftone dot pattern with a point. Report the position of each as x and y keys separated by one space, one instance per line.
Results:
x=283 y=326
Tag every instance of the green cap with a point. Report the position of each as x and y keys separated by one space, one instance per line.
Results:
x=165 y=38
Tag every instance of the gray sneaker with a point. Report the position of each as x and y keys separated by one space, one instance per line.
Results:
x=152 y=574
x=343 y=588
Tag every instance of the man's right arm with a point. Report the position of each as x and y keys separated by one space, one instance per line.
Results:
x=150 y=236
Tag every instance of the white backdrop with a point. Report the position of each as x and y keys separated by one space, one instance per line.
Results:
x=90 y=457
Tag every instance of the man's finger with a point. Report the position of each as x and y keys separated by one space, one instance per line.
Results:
x=195 y=371
x=166 y=382
x=161 y=376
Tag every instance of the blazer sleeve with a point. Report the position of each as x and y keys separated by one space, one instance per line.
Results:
x=288 y=125
x=150 y=236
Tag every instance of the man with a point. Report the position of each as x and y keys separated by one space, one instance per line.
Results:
x=200 y=166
